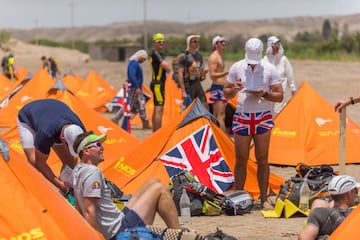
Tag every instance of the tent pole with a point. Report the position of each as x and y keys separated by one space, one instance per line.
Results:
x=342 y=142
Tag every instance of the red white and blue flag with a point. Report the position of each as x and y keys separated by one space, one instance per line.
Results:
x=126 y=124
x=199 y=154
x=252 y=123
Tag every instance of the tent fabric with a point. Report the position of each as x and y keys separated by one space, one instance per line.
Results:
x=136 y=166
x=172 y=106
x=349 y=228
x=96 y=92
x=36 y=88
x=29 y=211
x=307 y=131
x=73 y=82
x=117 y=142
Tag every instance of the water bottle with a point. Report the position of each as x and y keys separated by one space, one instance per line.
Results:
x=185 y=213
x=304 y=196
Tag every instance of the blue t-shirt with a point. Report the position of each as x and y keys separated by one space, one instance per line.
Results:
x=135 y=74
x=47 y=117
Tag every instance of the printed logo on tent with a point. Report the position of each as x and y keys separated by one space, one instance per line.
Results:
x=25 y=98
x=36 y=233
x=199 y=154
x=276 y=131
x=320 y=121
x=104 y=129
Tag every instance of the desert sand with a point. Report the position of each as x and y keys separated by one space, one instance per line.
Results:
x=332 y=80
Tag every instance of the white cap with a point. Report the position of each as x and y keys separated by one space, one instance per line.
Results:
x=217 y=39
x=188 y=39
x=253 y=51
x=342 y=184
x=70 y=134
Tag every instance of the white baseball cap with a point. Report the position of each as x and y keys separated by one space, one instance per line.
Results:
x=70 y=134
x=217 y=39
x=188 y=39
x=253 y=51
x=342 y=184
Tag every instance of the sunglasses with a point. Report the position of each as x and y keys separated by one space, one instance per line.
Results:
x=95 y=144
x=222 y=42
x=162 y=42
x=194 y=41
x=355 y=190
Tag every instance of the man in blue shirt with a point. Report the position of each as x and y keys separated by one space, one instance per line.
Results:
x=46 y=124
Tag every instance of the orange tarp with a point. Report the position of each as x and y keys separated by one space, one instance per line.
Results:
x=349 y=228
x=96 y=92
x=135 y=166
x=31 y=208
x=307 y=131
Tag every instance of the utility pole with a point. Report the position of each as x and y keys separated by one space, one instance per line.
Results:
x=72 y=14
x=36 y=31
x=145 y=27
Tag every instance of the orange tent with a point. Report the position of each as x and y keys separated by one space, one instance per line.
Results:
x=349 y=228
x=5 y=86
x=73 y=82
x=96 y=92
x=117 y=142
x=36 y=88
x=307 y=131
x=31 y=208
x=150 y=156
x=172 y=107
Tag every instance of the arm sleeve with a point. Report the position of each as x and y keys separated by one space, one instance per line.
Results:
x=290 y=75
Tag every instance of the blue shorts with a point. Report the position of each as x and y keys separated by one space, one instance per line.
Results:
x=248 y=124
x=217 y=94
x=130 y=220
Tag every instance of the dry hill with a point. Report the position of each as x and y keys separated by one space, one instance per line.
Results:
x=285 y=27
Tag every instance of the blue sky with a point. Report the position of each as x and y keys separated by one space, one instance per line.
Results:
x=66 y=13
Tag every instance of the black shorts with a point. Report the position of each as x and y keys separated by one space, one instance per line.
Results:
x=158 y=89
x=195 y=90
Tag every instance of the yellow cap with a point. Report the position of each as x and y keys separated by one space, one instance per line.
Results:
x=158 y=37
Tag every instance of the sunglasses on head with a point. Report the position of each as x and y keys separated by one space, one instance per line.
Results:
x=160 y=41
x=95 y=144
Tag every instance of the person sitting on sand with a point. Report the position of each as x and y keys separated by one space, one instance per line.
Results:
x=325 y=217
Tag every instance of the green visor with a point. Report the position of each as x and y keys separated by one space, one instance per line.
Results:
x=90 y=139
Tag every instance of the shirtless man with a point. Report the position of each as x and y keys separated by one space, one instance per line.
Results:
x=217 y=76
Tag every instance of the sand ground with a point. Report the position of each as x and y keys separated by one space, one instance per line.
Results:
x=332 y=80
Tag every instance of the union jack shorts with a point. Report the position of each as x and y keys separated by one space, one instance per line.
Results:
x=248 y=124
x=217 y=94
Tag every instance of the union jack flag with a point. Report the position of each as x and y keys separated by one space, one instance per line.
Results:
x=126 y=124
x=199 y=154
x=252 y=123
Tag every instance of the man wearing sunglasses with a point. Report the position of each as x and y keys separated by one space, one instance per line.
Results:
x=93 y=198
x=159 y=68
x=217 y=75
x=192 y=71
x=325 y=217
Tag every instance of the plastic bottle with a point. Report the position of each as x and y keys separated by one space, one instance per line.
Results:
x=185 y=213
x=304 y=196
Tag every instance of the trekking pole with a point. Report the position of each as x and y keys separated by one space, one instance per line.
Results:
x=342 y=142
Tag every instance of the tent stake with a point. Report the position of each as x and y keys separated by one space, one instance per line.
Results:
x=342 y=142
